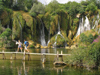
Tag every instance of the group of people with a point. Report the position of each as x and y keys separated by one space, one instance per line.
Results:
x=20 y=45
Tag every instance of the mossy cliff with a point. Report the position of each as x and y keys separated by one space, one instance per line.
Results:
x=25 y=26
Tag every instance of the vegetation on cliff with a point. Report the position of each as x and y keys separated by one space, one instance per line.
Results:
x=25 y=19
x=28 y=19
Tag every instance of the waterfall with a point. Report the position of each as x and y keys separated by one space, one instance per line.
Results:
x=97 y=23
x=83 y=26
x=98 y=16
x=42 y=37
x=15 y=2
x=58 y=33
x=86 y=24
x=48 y=36
x=8 y=26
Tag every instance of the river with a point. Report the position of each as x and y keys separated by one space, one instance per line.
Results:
x=35 y=67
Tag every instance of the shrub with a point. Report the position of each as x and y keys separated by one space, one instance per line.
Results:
x=6 y=33
x=89 y=56
x=87 y=39
x=90 y=38
x=83 y=37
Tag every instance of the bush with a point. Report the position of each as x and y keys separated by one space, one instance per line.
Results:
x=91 y=7
x=88 y=57
x=83 y=37
x=6 y=33
x=90 y=38
x=33 y=14
x=87 y=39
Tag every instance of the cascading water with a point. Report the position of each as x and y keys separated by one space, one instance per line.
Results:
x=83 y=26
x=97 y=23
x=86 y=24
x=48 y=36
x=42 y=37
x=58 y=33
x=15 y=2
x=8 y=26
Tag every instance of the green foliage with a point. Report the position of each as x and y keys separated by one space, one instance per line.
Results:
x=74 y=8
x=94 y=53
x=86 y=39
x=1 y=6
x=90 y=38
x=18 y=24
x=91 y=7
x=47 y=20
x=60 y=41
x=6 y=33
x=32 y=46
x=8 y=3
x=52 y=7
x=23 y=4
x=88 y=57
x=0 y=27
x=10 y=11
x=51 y=15
x=96 y=2
x=33 y=14
x=37 y=8
x=83 y=37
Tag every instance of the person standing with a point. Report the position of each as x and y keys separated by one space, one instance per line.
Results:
x=19 y=45
x=26 y=43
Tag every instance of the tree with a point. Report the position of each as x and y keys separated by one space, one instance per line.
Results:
x=52 y=6
x=38 y=8
x=96 y=2
x=23 y=4
x=91 y=7
x=83 y=37
x=74 y=8
x=8 y=3
x=1 y=6
x=6 y=33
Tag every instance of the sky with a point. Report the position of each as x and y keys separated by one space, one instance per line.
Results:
x=60 y=1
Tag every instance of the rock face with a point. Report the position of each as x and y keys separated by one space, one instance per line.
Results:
x=47 y=30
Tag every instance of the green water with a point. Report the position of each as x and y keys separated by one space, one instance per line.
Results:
x=17 y=67
x=35 y=67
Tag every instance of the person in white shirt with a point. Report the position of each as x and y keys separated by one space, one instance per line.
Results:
x=19 y=45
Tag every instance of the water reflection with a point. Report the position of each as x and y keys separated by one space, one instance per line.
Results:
x=43 y=51
x=16 y=67
x=19 y=70
x=49 y=50
x=26 y=70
